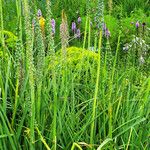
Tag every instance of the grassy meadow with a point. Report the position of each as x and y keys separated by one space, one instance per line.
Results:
x=74 y=75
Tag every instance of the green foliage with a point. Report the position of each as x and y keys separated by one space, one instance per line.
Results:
x=77 y=58
x=128 y=6
x=113 y=25
x=10 y=39
x=80 y=100
x=76 y=55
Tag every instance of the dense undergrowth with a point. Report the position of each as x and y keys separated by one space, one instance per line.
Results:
x=74 y=75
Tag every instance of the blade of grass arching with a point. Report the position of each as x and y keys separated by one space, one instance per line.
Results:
x=76 y=145
x=4 y=135
x=110 y=108
x=96 y=90
x=105 y=142
x=122 y=125
x=129 y=127
x=42 y=139
x=129 y=139
x=88 y=121
x=30 y=69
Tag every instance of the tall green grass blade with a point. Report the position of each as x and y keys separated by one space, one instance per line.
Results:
x=96 y=90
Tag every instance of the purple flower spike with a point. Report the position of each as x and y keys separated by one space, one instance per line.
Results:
x=107 y=33
x=73 y=26
x=137 y=24
x=53 y=23
x=78 y=34
x=104 y=27
x=79 y=19
x=53 y=30
x=39 y=13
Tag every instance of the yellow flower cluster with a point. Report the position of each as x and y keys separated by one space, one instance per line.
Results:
x=42 y=23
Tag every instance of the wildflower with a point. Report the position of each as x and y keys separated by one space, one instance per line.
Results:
x=137 y=24
x=53 y=31
x=107 y=33
x=53 y=22
x=73 y=27
x=42 y=23
x=137 y=27
x=78 y=34
x=39 y=13
x=53 y=25
x=79 y=20
x=41 y=20
x=104 y=27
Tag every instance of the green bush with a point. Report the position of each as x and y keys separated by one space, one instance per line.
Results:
x=79 y=61
x=10 y=42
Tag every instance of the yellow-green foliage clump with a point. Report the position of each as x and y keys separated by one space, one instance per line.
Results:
x=10 y=41
x=10 y=38
x=78 y=56
x=81 y=62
